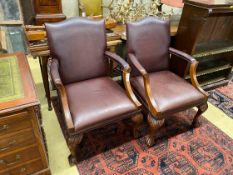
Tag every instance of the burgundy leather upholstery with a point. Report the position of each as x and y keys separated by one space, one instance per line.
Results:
x=97 y=102
x=171 y=93
x=79 y=45
x=148 y=46
x=79 y=69
x=149 y=40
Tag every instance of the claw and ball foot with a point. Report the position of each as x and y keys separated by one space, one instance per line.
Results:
x=201 y=109
x=154 y=125
x=73 y=141
x=72 y=160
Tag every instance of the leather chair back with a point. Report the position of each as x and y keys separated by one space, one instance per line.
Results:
x=79 y=45
x=149 y=41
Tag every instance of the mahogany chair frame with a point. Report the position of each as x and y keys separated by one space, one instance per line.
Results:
x=155 y=117
x=74 y=138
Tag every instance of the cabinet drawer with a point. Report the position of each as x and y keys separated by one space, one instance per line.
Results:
x=16 y=141
x=26 y=169
x=14 y=122
x=19 y=157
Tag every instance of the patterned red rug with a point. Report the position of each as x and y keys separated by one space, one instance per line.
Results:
x=223 y=99
x=180 y=150
x=227 y=90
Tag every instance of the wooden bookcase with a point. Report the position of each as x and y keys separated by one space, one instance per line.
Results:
x=206 y=32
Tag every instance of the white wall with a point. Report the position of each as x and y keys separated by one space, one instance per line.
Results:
x=70 y=8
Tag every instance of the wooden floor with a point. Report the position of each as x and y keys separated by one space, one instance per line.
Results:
x=58 y=151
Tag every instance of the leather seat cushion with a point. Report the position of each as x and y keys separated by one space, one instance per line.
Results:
x=97 y=102
x=170 y=92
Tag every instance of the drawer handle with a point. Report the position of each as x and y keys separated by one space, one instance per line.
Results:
x=10 y=144
x=17 y=158
x=3 y=128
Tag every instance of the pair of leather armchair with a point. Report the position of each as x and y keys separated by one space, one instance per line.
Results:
x=91 y=99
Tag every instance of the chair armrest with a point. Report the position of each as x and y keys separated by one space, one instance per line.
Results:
x=182 y=55
x=118 y=59
x=137 y=65
x=54 y=67
x=192 y=70
x=62 y=93
x=125 y=76
x=153 y=107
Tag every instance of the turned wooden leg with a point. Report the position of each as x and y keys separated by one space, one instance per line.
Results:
x=154 y=125
x=43 y=65
x=137 y=120
x=73 y=141
x=201 y=109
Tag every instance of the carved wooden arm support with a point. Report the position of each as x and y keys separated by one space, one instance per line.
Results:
x=63 y=97
x=192 y=70
x=193 y=76
x=153 y=107
x=125 y=76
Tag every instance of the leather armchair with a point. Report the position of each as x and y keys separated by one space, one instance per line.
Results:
x=79 y=69
x=161 y=91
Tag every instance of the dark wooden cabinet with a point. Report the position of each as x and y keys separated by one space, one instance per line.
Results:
x=206 y=32
x=22 y=149
x=48 y=11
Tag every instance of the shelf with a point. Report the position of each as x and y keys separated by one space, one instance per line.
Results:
x=223 y=65
x=212 y=81
x=215 y=85
x=213 y=48
x=213 y=78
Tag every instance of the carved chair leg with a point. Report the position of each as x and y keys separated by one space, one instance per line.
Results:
x=154 y=125
x=201 y=109
x=137 y=120
x=73 y=141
